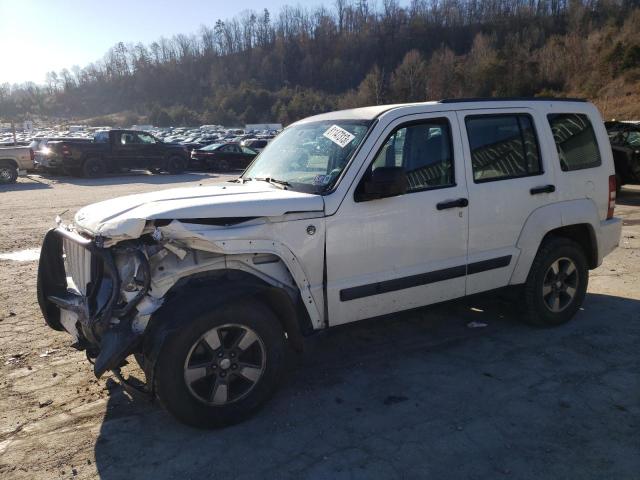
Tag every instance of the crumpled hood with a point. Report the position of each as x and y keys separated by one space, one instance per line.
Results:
x=125 y=217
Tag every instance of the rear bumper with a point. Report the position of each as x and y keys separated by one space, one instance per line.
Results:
x=82 y=295
x=609 y=237
x=56 y=162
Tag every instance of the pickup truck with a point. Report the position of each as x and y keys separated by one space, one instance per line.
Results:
x=14 y=160
x=625 y=145
x=114 y=151
x=395 y=207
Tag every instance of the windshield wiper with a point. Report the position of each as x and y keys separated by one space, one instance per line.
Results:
x=274 y=181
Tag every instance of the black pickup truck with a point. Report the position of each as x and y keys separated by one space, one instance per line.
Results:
x=625 y=145
x=114 y=151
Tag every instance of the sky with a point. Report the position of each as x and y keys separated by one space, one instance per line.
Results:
x=39 y=36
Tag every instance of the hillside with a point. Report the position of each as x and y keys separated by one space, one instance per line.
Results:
x=262 y=67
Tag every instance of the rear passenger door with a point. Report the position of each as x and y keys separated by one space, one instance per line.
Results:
x=508 y=177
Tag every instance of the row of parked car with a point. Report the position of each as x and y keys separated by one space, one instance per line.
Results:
x=115 y=150
x=175 y=150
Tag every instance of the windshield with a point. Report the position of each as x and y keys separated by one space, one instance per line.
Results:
x=310 y=156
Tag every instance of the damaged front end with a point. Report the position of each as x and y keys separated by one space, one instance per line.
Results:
x=96 y=294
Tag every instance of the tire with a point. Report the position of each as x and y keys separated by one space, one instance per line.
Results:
x=8 y=174
x=223 y=392
x=223 y=165
x=552 y=299
x=93 y=167
x=176 y=165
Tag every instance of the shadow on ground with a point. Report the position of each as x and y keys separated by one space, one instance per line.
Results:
x=135 y=177
x=25 y=183
x=420 y=395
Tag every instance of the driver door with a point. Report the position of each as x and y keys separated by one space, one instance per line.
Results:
x=392 y=254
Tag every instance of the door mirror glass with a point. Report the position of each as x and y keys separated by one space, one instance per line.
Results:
x=385 y=182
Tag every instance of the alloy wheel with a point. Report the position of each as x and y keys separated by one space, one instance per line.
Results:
x=560 y=284
x=225 y=364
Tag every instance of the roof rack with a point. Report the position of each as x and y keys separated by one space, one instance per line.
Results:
x=511 y=99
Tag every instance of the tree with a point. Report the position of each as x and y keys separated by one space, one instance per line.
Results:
x=408 y=81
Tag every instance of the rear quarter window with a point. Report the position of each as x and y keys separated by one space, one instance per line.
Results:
x=575 y=141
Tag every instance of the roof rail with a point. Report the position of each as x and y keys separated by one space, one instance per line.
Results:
x=512 y=99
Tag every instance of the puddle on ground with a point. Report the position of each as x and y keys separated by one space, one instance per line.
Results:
x=29 y=255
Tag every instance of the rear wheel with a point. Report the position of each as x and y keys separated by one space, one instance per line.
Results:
x=557 y=283
x=224 y=165
x=176 y=165
x=93 y=167
x=222 y=365
x=8 y=174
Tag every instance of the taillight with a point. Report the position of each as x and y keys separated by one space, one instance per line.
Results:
x=612 y=196
x=32 y=154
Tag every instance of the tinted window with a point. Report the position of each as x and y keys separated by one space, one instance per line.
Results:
x=423 y=150
x=146 y=138
x=575 y=141
x=502 y=147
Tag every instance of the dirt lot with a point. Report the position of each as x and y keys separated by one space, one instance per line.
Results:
x=420 y=395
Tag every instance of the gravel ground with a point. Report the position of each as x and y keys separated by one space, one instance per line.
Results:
x=418 y=395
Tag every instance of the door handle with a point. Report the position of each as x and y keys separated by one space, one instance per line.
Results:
x=543 y=189
x=460 y=202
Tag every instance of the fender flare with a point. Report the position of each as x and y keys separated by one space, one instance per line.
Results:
x=232 y=247
x=547 y=218
x=9 y=161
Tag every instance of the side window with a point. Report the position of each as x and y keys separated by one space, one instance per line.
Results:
x=502 y=147
x=228 y=149
x=575 y=141
x=145 y=138
x=424 y=150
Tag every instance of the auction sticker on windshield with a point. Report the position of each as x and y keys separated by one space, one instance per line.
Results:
x=338 y=135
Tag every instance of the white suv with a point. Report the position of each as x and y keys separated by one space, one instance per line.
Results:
x=344 y=216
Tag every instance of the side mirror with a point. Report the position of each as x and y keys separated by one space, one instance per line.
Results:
x=384 y=182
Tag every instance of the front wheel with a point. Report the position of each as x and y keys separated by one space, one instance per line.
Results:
x=222 y=365
x=557 y=283
x=8 y=174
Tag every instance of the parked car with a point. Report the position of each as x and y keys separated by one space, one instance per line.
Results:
x=256 y=144
x=223 y=156
x=113 y=151
x=625 y=144
x=403 y=206
x=14 y=160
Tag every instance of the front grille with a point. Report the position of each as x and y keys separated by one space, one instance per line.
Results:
x=77 y=265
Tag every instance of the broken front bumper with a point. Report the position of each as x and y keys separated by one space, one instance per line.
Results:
x=79 y=290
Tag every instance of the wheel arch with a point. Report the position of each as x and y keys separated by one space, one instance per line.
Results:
x=9 y=161
x=221 y=287
x=89 y=156
x=577 y=220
